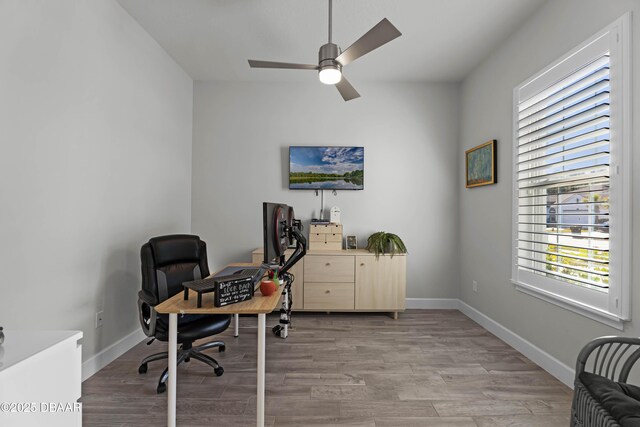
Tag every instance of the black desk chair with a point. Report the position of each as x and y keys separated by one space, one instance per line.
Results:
x=167 y=262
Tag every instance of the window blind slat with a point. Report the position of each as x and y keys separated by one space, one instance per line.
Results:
x=564 y=276
x=574 y=246
x=593 y=260
x=561 y=134
x=565 y=204
x=569 y=110
x=523 y=172
x=565 y=176
x=555 y=107
x=564 y=266
x=589 y=190
x=565 y=214
x=542 y=233
x=554 y=184
x=566 y=224
x=595 y=77
x=576 y=119
x=603 y=143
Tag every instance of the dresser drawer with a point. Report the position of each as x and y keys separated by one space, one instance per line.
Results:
x=329 y=296
x=323 y=228
x=329 y=268
x=325 y=246
x=317 y=237
x=333 y=237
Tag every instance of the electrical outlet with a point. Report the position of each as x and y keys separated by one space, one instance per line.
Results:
x=475 y=286
x=99 y=319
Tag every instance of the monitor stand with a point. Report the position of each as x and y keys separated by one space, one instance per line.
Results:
x=282 y=329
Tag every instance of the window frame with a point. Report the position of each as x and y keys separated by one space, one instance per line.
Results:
x=614 y=307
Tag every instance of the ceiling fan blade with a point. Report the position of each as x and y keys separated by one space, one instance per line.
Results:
x=287 y=65
x=383 y=32
x=346 y=90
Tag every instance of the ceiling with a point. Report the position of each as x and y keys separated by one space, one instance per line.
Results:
x=443 y=40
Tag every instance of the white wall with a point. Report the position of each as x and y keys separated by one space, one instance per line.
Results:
x=485 y=221
x=242 y=132
x=95 y=131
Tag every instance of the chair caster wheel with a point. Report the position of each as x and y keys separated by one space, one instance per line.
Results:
x=219 y=371
x=142 y=369
x=222 y=349
x=276 y=330
x=187 y=359
x=162 y=387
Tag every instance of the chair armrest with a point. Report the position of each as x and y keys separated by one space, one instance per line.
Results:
x=610 y=353
x=147 y=298
x=147 y=314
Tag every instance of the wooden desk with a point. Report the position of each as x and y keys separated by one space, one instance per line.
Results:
x=175 y=305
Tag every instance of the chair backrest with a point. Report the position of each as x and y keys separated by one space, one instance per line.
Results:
x=168 y=261
x=610 y=357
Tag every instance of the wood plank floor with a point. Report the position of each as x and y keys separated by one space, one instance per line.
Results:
x=429 y=368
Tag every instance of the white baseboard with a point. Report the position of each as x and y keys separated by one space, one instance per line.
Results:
x=432 y=303
x=111 y=353
x=540 y=357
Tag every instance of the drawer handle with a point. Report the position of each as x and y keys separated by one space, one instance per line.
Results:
x=327 y=291
x=328 y=264
x=362 y=264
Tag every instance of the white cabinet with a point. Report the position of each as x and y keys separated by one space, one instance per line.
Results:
x=40 y=379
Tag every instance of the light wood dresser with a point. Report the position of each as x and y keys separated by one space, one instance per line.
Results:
x=353 y=280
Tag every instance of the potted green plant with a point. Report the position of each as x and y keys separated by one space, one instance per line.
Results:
x=383 y=243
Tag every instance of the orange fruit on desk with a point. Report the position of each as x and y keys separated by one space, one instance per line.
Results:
x=267 y=287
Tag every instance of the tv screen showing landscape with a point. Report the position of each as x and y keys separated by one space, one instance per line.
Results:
x=326 y=168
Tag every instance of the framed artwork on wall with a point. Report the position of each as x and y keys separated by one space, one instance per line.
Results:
x=480 y=164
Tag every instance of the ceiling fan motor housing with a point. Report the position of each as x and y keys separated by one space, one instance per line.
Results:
x=327 y=57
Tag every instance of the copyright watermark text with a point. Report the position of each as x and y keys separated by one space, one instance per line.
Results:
x=40 y=407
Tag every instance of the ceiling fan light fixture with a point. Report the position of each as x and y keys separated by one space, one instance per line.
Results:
x=330 y=70
x=330 y=75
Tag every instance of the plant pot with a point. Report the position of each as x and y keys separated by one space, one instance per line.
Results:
x=389 y=248
x=268 y=287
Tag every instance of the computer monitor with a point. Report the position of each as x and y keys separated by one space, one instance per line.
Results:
x=280 y=228
x=275 y=218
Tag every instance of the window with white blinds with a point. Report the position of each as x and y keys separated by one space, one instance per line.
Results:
x=568 y=191
x=563 y=179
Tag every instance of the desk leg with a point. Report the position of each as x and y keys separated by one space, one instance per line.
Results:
x=236 y=318
x=262 y=326
x=173 y=352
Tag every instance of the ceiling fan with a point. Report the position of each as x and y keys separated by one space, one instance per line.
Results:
x=331 y=58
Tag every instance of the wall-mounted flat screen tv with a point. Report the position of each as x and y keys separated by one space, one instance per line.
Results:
x=326 y=168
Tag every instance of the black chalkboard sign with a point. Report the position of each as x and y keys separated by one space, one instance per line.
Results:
x=230 y=290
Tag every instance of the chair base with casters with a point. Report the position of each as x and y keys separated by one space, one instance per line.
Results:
x=191 y=328
x=185 y=353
